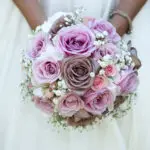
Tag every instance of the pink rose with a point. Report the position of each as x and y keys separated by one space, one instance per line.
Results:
x=103 y=25
x=44 y=104
x=37 y=45
x=75 y=40
x=97 y=102
x=99 y=82
x=46 y=70
x=107 y=49
x=110 y=70
x=128 y=82
x=70 y=104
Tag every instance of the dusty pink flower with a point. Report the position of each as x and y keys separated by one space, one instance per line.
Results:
x=76 y=72
x=46 y=70
x=97 y=102
x=103 y=25
x=128 y=82
x=99 y=83
x=37 y=45
x=44 y=104
x=70 y=104
x=75 y=40
x=107 y=49
x=49 y=94
x=110 y=70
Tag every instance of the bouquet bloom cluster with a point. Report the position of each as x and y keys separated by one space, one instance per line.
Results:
x=78 y=70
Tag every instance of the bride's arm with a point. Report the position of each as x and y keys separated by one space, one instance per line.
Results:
x=32 y=11
x=131 y=7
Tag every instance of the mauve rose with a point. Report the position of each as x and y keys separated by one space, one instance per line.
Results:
x=76 y=72
x=37 y=45
x=99 y=83
x=46 y=70
x=97 y=102
x=75 y=40
x=70 y=104
x=128 y=82
x=44 y=104
x=107 y=49
x=103 y=25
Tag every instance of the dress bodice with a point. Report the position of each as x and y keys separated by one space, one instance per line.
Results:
x=95 y=8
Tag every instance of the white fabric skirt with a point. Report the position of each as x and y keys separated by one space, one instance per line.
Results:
x=24 y=127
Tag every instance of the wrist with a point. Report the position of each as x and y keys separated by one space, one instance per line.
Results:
x=121 y=24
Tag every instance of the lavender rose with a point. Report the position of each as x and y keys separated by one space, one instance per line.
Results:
x=128 y=82
x=97 y=102
x=70 y=104
x=76 y=72
x=46 y=70
x=107 y=49
x=75 y=40
x=44 y=104
x=37 y=45
x=103 y=25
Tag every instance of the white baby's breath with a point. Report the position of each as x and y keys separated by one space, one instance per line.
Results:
x=38 y=92
x=107 y=58
x=55 y=101
x=102 y=72
x=103 y=64
x=92 y=74
x=58 y=92
x=105 y=33
x=99 y=35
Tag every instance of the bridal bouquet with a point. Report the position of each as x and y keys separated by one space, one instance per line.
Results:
x=78 y=70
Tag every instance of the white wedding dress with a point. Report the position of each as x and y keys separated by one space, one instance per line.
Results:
x=23 y=127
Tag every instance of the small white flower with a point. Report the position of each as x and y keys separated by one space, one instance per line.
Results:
x=105 y=33
x=59 y=84
x=133 y=64
x=124 y=46
x=122 y=59
x=38 y=92
x=99 y=35
x=55 y=101
x=118 y=55
x=122 y=65
x=57 y=92
x=64 y=86
x=92 y=74
x=46 y=26
x=60 y=25
x=101 y=72
x=127 y=57
x=111 y=107
x=103 y=64
x=118 y=67
x=67 y=19
x=96 y=43
x=106 y=57
x=125 y=67
x=38 y=28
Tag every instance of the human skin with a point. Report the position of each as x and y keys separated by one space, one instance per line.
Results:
x=35 y=16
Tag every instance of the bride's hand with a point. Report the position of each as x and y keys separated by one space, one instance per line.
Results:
x=32 y=11
x=129 y=7
x=121 y=24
